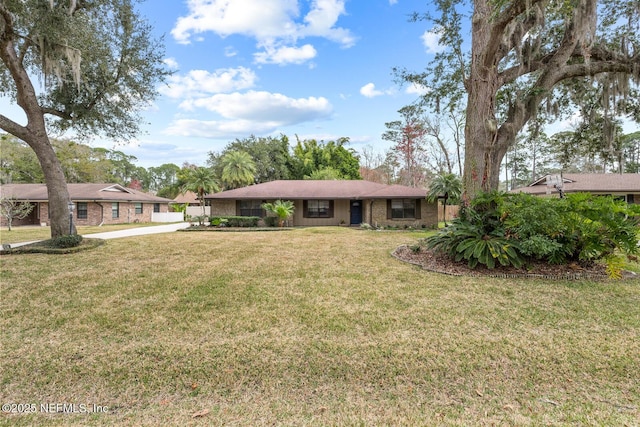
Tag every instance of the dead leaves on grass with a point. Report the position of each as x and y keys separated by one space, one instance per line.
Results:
x=200 y=413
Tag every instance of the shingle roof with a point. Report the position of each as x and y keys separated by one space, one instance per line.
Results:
x=81 y=192
x=589 y=182
x=320 y=189
x=187 y=197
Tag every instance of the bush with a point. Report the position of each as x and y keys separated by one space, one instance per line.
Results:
x=580 y=227
x=68 y=241
x=270 y=221
x=217 y=221
x=471 y=240
x=235 y=221
x=510 y=228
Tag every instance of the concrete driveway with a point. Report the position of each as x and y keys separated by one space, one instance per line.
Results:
x=140 y=231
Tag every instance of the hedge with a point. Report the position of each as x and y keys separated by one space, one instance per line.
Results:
x=234 y=221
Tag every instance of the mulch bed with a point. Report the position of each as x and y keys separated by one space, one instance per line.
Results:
x=439 y=263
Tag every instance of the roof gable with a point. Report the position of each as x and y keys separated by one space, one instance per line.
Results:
x=117 y=188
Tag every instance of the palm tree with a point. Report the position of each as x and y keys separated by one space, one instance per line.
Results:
x=282 y=210
x=447 y=186
x=238 y=169
x=201 y=181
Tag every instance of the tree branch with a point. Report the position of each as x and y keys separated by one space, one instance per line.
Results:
x=522 y=111
x=53 y=112
x=13 y=128
x=496 y=48
x=599 y=55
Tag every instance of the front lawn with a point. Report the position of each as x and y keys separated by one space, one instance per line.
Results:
x=31 y=233
x=316 y=326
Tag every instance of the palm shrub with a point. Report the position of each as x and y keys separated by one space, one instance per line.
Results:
x=281 y=209
x=478 y=236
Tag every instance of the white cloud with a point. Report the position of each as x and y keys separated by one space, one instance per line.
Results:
x=431 y=40
x=369 y=90
x=321 y=20
x=270 y=22
x=230 y=52
x=201 y=82
x=285 y=55
x=262 y=19
x=171 y=63
x=417 y=89
x=218 y=129
x=253 y=112
x=392 y=2
x=263 y=107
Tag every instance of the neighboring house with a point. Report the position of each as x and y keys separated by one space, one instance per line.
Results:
x=193 y=203
x=95 y=204
x=332 y=203
x=187 y=197
x=626 y=185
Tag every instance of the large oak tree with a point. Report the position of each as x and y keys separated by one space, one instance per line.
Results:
x=525 y=56
x=86 y=66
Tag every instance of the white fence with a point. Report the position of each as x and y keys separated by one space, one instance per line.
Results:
x=167 y=217
x=197 y=210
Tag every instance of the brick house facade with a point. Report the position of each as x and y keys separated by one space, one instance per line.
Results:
x=94 y=204
x=333 y=202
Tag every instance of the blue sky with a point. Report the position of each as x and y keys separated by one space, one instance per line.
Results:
x=318 y=69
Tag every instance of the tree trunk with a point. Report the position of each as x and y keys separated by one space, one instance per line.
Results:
x=57 y=192
x=484 y=150
x=35 y=135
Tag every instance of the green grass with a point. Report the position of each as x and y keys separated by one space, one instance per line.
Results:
x=308 y=327
x=31 y=233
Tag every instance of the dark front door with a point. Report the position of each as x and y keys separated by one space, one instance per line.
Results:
x=356 y=212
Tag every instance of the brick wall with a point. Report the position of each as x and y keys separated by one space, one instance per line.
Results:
x=428 y=215
x=101 y=212
x=97 y=213
x=223 y=207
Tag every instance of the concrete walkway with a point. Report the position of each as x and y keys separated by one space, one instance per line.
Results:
x=129 y=232
x=140 y=231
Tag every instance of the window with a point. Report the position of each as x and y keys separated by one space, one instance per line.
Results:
x=156 y=207
x=138 y=207
x=250 y=208
x=403 y=208
x=318 y=208
x=81 y=210
x=115 y=210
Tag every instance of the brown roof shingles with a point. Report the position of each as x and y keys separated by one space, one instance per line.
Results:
x=590 y=182
x=81 y=192
x=320 y=189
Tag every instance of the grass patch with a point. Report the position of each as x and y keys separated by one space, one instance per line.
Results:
x=31 y=233
x=316 y=326
x=48 y=247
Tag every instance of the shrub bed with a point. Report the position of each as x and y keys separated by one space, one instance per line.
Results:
x=510 y=229
x=271 y=221
x=234 y=221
